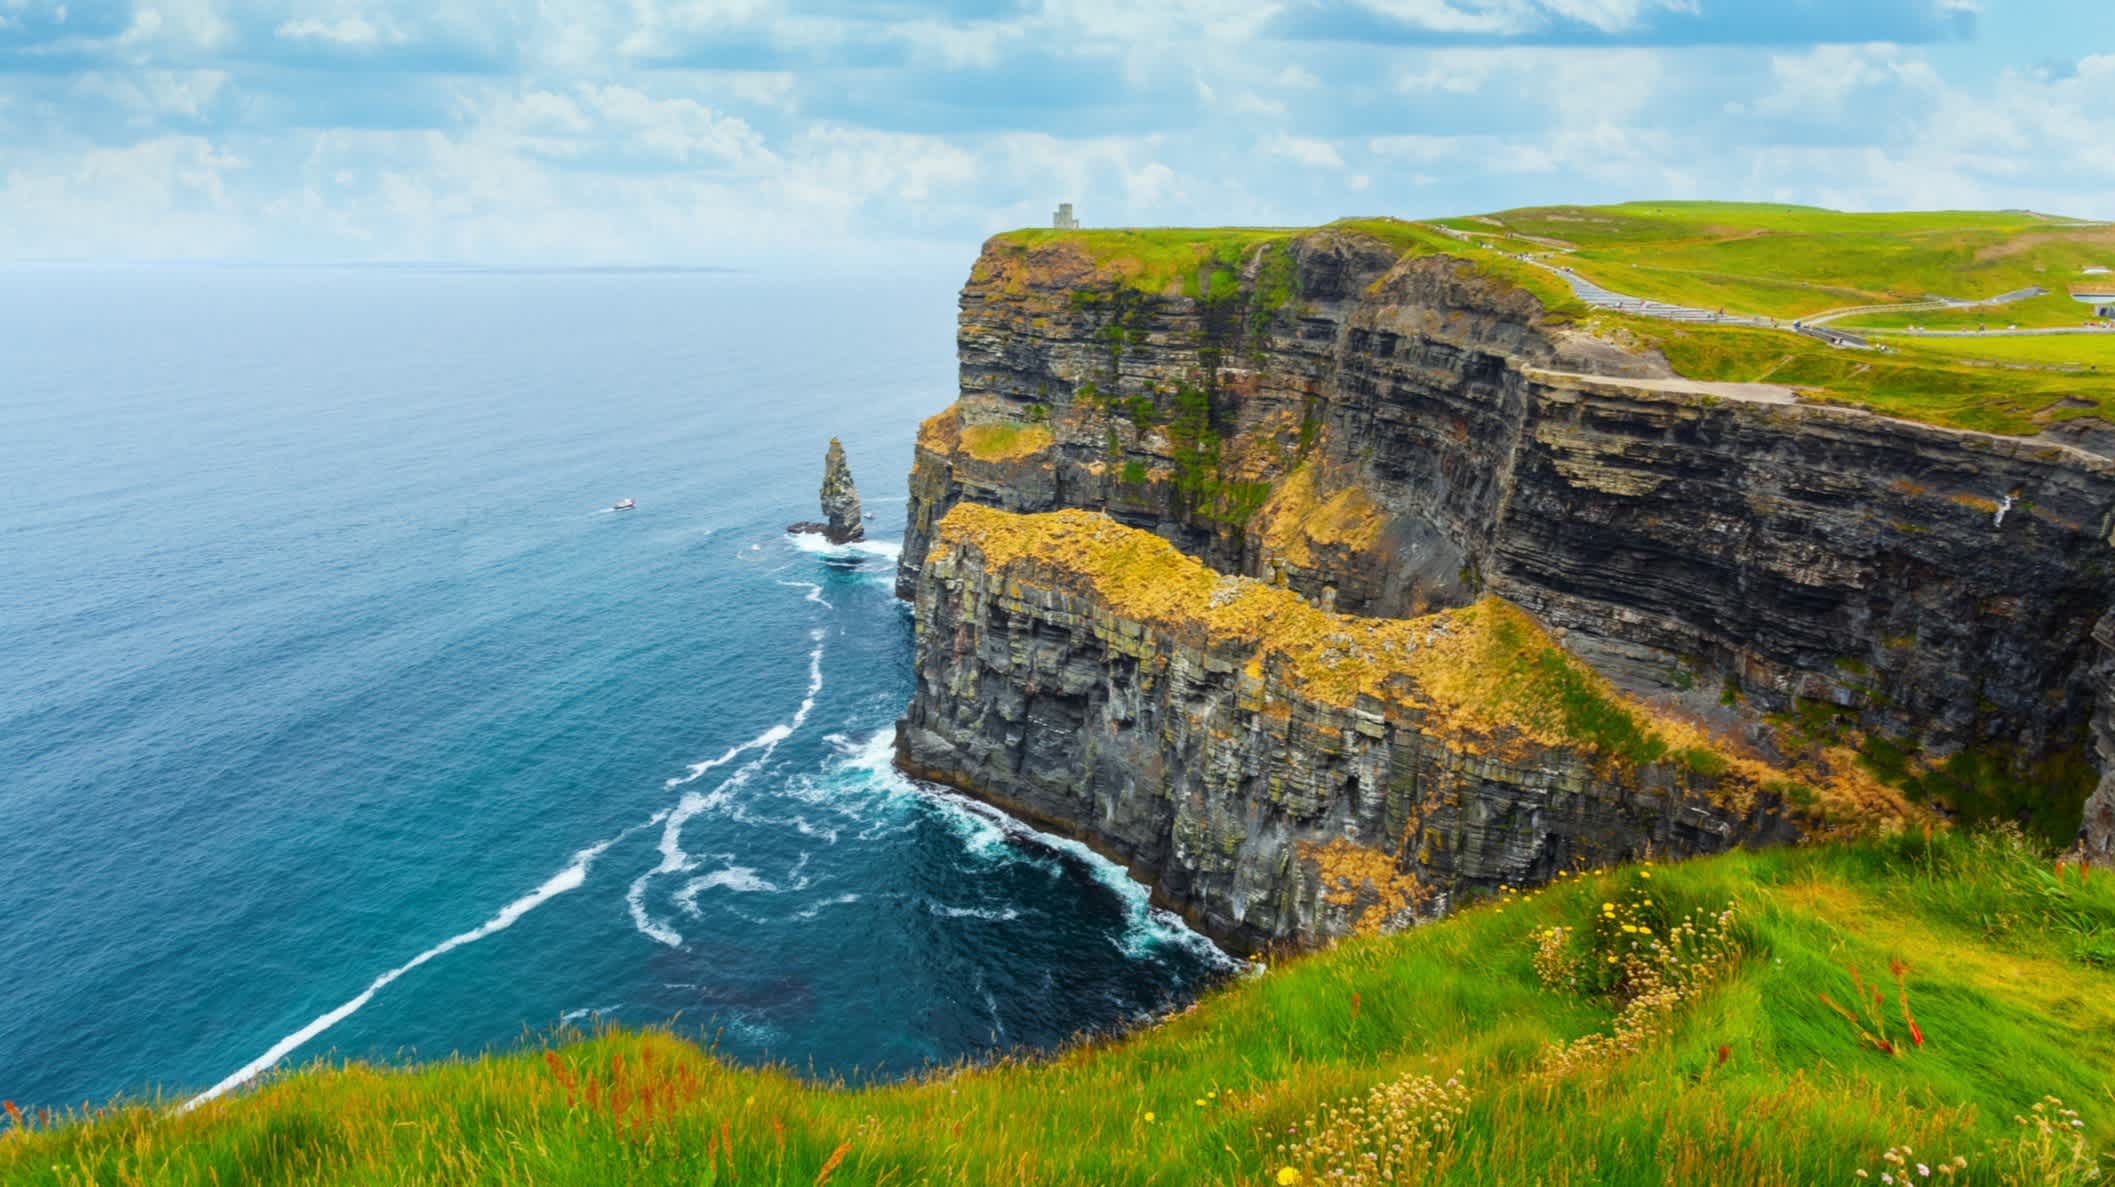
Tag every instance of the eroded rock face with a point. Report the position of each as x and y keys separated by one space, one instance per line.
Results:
x=843 y=520
x=1405 y=434
x=1265 y=811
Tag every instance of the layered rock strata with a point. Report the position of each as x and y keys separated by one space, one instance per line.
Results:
x=1389 y=431
x=1279 y=773
x=843 y=520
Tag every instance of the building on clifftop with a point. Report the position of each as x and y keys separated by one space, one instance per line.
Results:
x=1063 y=219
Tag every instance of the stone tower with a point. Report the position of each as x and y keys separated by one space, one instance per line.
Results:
x=1063 y=219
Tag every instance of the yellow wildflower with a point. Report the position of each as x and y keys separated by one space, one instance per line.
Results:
x=1287 y=1176
x=1149 y=1117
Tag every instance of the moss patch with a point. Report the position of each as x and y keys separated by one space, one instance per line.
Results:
x=1004 y=442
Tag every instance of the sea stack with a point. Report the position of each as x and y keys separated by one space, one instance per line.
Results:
x=843 y=522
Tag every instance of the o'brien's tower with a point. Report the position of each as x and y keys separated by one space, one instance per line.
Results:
x=1063 y=219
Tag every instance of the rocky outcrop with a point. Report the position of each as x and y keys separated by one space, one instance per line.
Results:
x=1389 y=431
x=2096 y=833
x=1280 y=774
x=843 y=520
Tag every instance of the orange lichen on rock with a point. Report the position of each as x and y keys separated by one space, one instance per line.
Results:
x=942 y=431
x=1295 y=521
x=1351 y=872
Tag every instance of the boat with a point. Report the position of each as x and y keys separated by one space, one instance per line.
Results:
x=623 y=505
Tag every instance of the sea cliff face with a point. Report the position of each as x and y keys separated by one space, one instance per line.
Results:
x=1387 y=432
x=1391 y=431
x=1279 y=773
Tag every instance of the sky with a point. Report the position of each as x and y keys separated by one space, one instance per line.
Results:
x=738 y=132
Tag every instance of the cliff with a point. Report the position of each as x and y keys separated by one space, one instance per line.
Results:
x=1388 y=430
x=1278 y=772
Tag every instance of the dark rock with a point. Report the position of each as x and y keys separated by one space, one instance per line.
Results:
x=1930 y=588
x=843 y=520
x=1218 y=779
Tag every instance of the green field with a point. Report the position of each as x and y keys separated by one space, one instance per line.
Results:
x=1606 y=1051
x=2058 y=351
x=1798 y=261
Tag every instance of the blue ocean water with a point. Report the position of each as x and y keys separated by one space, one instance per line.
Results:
x=341 y=717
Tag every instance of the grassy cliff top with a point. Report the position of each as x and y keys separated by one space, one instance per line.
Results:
x=1204 y=261
x=1581 y=1050
x=1485 y=675
x=1786 y=262
x=1798 y=261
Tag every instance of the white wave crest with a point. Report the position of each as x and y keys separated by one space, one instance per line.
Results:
x=806 y=913
x=588 y=1012
x=673 y=859
x=993 y=914
x=815 y=545
x=815 y=592
x=986 y=830
x=739 y=879
x=770 y=737
x=570 y=878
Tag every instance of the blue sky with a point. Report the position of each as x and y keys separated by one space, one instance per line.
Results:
x=742 y=131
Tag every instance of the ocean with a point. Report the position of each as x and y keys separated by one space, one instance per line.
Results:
x=342 y=718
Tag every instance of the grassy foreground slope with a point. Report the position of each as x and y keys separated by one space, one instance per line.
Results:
x=1643 y=1025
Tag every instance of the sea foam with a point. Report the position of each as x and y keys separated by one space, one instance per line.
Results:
x=570 y=878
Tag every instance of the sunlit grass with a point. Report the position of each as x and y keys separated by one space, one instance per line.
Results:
x=1755 y=1080
x=1797 y=261
x=2038 y=350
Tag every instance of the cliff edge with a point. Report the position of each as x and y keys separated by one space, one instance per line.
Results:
x=1388 y=427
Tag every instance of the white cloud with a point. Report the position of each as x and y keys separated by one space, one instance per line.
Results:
x=678 y=129
x=182 y=26
x=1817 y=81
x=1315 y=154
x=159 y=198
x=355 y=32
x=1514 y=17
x=149 y=97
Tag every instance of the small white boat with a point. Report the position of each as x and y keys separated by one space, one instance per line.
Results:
x=623 y=505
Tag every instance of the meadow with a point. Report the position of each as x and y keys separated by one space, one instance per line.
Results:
x=1790 y=1016
x=1799 y=261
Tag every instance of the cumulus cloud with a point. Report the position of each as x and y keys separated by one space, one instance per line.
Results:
x=697 y=130
x=353 y=31
x=1315 y=154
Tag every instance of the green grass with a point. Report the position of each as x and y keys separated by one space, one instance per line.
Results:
x=2063 y=351
x=1797 y=261
x=1914 y=383
x=1755 y=1081
x=2056 y=308
x=1156 y=259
